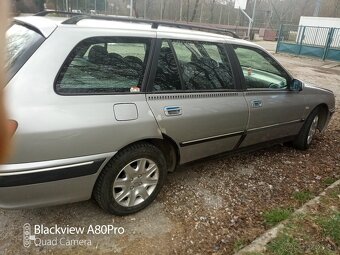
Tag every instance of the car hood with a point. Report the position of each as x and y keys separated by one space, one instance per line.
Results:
x=312 y=86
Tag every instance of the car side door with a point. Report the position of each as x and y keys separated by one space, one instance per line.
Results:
x=194 y=97
x=275 y=108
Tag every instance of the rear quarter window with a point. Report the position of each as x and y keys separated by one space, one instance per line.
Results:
x=104 y=65
x=22 y=42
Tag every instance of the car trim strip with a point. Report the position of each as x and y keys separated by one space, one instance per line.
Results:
x=50 y=174
x=211 y=138
x=194 y=95
x=52 y=163
x=240 y=141
x=243 y=134
x=275 y=125
x=46 y=169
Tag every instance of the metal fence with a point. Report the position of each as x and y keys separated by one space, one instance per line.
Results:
x=320 y=42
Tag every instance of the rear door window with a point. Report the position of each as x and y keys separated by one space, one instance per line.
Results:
x=193 y=66
x=167 y=75
x=104 y=65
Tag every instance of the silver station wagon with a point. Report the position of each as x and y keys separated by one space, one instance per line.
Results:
x=106 y=106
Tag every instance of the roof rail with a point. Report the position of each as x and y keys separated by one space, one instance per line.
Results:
x=45 y=13
x=154 y=23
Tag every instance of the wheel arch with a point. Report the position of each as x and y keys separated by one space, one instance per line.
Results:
x=170 y=150
x=323 y=116
x=167 y=145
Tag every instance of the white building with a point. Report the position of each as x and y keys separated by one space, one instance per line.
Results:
x=318 y=30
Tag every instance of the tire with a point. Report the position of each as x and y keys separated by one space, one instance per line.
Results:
x=131 y=180
x=308 y=131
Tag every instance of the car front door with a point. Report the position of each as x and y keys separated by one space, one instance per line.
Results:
x=275 y=110
x=194 y=98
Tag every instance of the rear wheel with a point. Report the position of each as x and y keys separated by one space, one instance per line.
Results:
x=308 y=131
x=131 y=180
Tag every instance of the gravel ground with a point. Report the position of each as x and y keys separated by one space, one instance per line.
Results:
x=207 y=207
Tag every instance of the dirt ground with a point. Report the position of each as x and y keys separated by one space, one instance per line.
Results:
x=208 y=207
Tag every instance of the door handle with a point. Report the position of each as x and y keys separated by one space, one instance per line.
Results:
x=256 y=103
x=172 y=111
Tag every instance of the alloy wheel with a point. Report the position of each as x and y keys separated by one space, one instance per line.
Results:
x=312 y=129
x=135 y=182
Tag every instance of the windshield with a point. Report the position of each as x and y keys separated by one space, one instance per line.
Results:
x=21 y=44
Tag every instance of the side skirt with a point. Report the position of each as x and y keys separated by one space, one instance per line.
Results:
x=247 y=149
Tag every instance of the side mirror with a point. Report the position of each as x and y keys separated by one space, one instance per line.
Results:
x=296 y=85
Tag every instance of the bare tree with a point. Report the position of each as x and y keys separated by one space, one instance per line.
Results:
x=337 y=9
x=134 y=6
x=195 y=10
x=188 y=9
x=164 y=4
x=148 y=4
x=212 y=6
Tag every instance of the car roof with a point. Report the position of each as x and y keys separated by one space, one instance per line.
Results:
x=47 y=24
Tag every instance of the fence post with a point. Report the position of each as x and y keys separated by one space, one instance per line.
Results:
x=279 y=39
x=328 y=42
x=301 y=40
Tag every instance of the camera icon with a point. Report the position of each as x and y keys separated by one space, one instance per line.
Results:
x=27 y=235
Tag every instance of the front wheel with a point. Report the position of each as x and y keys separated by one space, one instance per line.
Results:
x=131 y=180
x=308 y=131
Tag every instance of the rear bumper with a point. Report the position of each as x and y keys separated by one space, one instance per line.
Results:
x=50 y=182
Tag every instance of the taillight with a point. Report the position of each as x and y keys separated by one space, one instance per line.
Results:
x=12 y=126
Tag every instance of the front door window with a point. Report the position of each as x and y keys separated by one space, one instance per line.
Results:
x=260 y=70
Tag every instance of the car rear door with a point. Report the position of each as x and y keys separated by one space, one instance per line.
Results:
x=276 y=111
x=195 y=99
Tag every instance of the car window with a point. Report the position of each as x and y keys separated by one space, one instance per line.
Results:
x=104 y=64
x=213 y=52
x=208 y=67
x=167 y=75
x=192 y=66
x=122 y=49
x=93 y=45
x=22 y=42
x=260 y=70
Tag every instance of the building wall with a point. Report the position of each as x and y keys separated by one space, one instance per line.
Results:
x=316 y=31
x=319 y=22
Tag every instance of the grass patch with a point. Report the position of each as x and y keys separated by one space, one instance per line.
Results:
x=321 y=250
x=276 y=215
x=329 y=180
x=238 y=245
x=284 y=245
x=314 y=232
x=334 y=194
x=331 y=227
x=303 y=196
